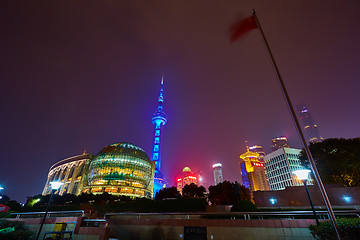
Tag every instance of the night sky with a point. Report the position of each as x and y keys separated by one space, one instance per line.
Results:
x=81 y=75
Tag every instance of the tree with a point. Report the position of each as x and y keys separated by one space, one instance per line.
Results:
x=170 y=192
x=192 y=190
x=228 y=193
x=337 y=160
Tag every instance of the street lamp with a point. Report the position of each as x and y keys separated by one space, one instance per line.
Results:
x=54 y=187
x=1 y=188
x=302 y=175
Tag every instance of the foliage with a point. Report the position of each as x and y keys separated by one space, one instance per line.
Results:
x=21 y=232
x=12 y=204
x=244 y=206
x=170 y=192
x=337 y=160
x=228 y=193
x=349 y=229
x=170 y=205
x=193 y=190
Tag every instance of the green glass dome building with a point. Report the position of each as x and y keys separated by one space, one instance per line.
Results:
x=120 y=169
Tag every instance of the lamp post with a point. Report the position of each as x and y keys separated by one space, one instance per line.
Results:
x=54 y=187
x=303 y=176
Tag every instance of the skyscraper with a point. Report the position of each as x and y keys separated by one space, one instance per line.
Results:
x=217 y=169
x=311 y=129
x=279 y=142
x=279 y=167
x=159 y=119
x=258 y=149
x=253 y=171
x=187 y=177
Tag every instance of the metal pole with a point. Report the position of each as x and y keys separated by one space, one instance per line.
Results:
x=46 y=212
x=307 y=150
x=311 y=203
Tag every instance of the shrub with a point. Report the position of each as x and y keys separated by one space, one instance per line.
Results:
x=349 y=229
x=244 y=206
x=20 y=232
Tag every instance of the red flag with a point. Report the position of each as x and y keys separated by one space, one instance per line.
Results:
x=242 y=27
x=4 y=208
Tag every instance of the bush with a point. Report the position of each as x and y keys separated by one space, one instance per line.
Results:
x=147 y=205
x=349 y=229
x=20 y=232
x=244 y=206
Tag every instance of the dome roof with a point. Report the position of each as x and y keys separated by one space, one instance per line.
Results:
x=121 y=169
x=123 y=148
x=186 y=169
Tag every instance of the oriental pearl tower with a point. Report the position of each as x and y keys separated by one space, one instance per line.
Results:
x=159 y=119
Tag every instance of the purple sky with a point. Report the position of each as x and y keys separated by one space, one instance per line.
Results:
x=84 y=74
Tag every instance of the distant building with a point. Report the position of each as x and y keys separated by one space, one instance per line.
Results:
x=258 y=149
x=279 y=142
x=187 y=177
x=217 y=169
x=311 y=129
x=279 y=167
x=253 y=171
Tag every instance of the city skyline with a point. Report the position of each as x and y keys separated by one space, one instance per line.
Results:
x=83 y=76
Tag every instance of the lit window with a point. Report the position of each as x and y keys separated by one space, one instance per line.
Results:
x=156 y=148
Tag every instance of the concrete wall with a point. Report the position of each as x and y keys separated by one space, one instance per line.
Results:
x=80 y=232
x=222 y=229
x=296 y=196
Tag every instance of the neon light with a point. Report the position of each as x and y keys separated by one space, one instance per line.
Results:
x=179 y=179
x=217 y=165
x=272 y=200
x=258 y=164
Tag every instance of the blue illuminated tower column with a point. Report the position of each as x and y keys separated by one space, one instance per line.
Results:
x=159 y=119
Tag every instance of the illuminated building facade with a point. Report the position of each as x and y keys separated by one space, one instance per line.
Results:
x=187 y=177
x=159 y=119
x=253 y=171
x=258 y=149
x=120 y=169
x=279 y=167
x=217 y=169
x=311 y=129
x=279 y=142
x=70 y=172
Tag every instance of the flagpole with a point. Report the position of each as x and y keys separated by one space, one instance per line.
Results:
x=307 y=150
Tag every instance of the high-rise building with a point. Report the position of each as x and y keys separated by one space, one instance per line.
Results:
x=279 y=142
x=159 y=119
x=217 y=169
x=258 y=149
x=280 y=165
x=253 y=172
x=187 y=177
x=311 y=129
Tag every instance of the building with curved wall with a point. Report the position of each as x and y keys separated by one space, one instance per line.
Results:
x=70 y=172
x=120 y=169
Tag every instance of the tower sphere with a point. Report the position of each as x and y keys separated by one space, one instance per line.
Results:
x=121 y=169
x=159 y=117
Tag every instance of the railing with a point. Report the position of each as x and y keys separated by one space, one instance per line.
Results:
x=78 y=213
x=236 y=215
